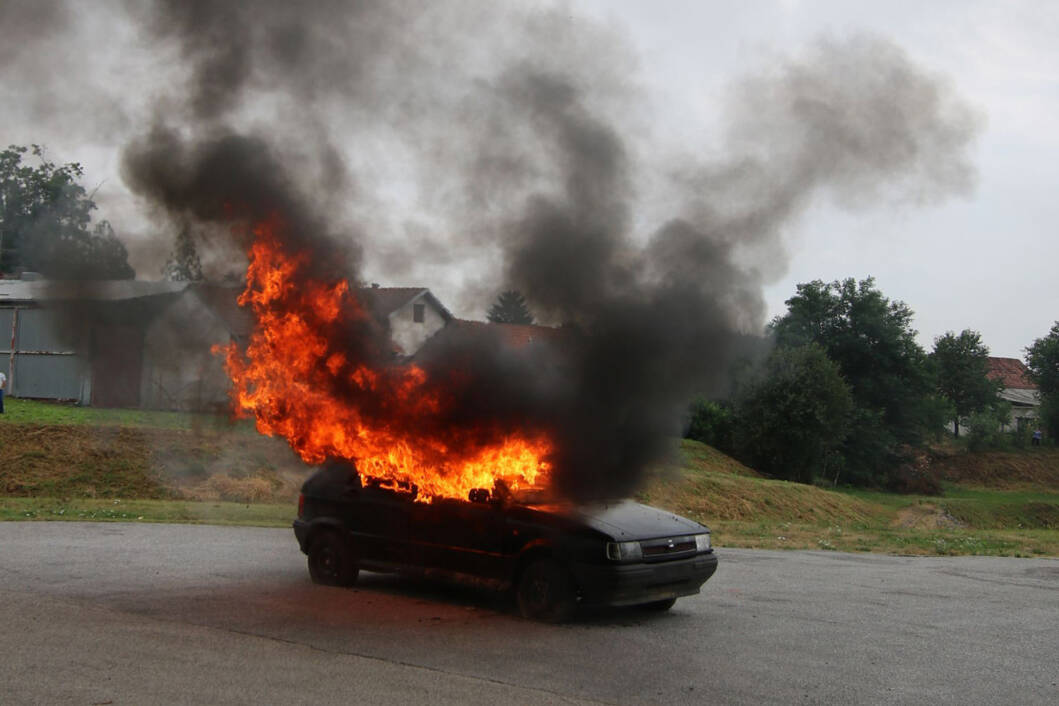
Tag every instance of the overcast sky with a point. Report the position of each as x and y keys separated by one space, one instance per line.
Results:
x=985 y=260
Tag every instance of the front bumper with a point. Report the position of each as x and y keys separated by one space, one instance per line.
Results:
x=644 y=582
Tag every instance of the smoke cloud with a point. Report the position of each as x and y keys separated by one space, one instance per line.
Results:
x=512 y=131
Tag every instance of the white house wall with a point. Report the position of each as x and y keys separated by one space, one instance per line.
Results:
x=410 y=335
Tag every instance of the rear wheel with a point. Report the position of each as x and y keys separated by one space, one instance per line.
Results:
x=330 y=561
x=660 y=606
x=546 y=592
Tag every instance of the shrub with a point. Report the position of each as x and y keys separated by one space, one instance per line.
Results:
x=913 y=476
x=986 y=428
x=711 y=423
x=793 y=418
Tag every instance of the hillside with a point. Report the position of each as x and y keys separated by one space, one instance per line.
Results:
x=68 y=463
x=1011 y=517
x=1010 y=470
x=82 y=461
x=706 y=485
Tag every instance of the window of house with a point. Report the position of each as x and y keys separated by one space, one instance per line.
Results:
x=418 y=311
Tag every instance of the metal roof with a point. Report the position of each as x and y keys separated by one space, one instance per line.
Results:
x=14 y=290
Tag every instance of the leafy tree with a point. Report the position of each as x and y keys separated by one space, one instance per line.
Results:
x=46 y=224
x=510 y=308
x=960 y=366
x=794 y=418
x=872 y=341
x=183 y=264
x=712 y=423
x=1042 y=360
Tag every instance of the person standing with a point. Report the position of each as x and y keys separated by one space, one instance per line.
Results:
x=1036 y=434
x=3 y=386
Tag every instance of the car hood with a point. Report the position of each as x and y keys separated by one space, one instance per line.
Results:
x=628 y=520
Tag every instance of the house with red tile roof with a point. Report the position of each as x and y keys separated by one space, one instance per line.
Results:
x=411 y=314
x=517 y=335
x=1017 y=389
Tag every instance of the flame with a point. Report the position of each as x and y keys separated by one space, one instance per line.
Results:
x=299 y=379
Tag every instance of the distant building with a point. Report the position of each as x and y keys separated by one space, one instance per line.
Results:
x=148 y=344
x=78 y=341
x=1017 y=389
x=180 y=371
x=411 y=314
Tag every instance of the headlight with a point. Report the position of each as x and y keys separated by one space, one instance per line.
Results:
x=702 y=542
x=624 y=551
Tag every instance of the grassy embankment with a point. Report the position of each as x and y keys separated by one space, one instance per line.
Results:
x=73 y=463
x=993 y=503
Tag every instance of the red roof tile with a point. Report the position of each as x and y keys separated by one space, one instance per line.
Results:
x=515 y=334
x=1011 y=373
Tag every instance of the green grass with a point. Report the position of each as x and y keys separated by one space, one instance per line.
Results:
x=881 y=538
x=17 y=411
x=68 y=463
x=94 y=509
x=745 y=510
x=982 y=508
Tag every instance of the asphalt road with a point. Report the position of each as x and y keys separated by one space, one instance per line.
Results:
x=143 y=614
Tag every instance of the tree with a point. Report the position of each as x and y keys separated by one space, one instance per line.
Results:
x=183 y=264
x=1042 y=361
x=711 y=423
x=793 y=419
x=872 y=341
x=510 y=308
x=960 y=366
x=46 y=224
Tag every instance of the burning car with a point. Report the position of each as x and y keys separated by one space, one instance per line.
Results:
x=554 y=555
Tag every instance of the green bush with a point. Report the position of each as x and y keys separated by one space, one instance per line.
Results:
x=986 y=428
x=711 y=423
x=792 y=419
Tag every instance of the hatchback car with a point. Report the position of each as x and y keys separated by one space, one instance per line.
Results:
x=555 y=556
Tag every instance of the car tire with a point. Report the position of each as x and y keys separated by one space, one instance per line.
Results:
x=330 y=561
x=546 y=592
x=660 y=606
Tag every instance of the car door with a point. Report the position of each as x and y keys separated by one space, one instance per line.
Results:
x=458 y=536
x=378 y=522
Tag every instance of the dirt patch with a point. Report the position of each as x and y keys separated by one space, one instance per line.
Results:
x=926 y=516
x=1037 y=468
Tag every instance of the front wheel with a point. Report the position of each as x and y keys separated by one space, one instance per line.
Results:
x=330 y=561
x=546 y=592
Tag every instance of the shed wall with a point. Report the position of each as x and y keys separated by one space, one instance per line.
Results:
x=44 y=364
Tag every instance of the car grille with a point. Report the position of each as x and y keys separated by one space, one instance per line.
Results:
x=667 y=548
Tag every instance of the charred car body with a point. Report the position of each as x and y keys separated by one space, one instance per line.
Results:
x=554 y=556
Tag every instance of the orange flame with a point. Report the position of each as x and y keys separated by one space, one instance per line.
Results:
x=299 y=382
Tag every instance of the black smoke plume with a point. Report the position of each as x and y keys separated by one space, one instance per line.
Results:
x=516 y=123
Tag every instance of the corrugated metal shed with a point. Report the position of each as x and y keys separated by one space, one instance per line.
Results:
x=59 y=336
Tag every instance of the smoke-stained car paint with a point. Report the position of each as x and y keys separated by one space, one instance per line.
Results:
x=554 y=556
